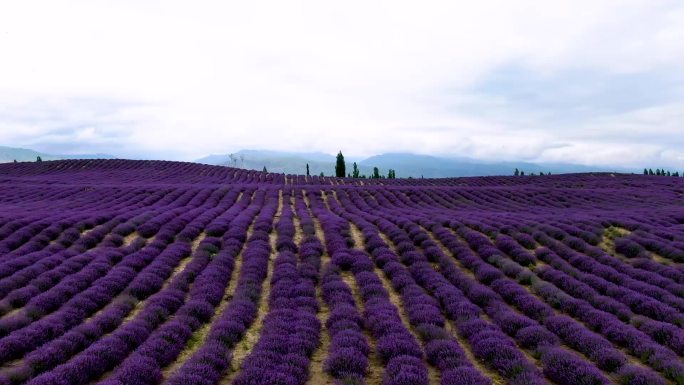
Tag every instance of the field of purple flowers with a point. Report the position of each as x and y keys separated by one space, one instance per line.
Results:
x=148 y=272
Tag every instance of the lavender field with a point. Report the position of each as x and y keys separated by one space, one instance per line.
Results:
x=149 y=272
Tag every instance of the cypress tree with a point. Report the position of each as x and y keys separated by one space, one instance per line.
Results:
x=307 y=170
x=340 y=168
x=39 y=159
x=355 y=171
x=645 y=171
x=516 y=172
x=376 y=173
x=264 y=170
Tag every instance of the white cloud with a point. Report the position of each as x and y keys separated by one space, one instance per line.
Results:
x=184 y=79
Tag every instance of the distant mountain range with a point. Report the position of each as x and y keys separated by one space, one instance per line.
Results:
x=10 y=154
x=278 y=162
x=405 y=164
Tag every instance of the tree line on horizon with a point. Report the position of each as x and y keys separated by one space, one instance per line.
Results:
x=659 y=172
x=647 y=171
x=341 y=170
x=522 y=173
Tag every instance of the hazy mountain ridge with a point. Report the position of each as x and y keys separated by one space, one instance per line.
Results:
x=405 y=164
x=10 y=154
x=281 y=162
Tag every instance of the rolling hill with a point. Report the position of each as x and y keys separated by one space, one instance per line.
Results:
x=10 y=154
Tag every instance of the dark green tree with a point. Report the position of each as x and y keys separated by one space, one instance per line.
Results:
x=340 y=168
x=522 y=173
x=39 y=159
x=322 y=174
x=264 y=170
x=658 y=171
x=307 y=170
x=15 y=161
x=645 y=171
x=391 y=174
x=355 y=170
x=516 y=172
x=650 y=172
x=376 y=173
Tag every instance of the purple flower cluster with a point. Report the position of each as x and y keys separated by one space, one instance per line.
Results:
x=290 y=331
x=393 y=341
x=664 y=246
x=111 y=349
x=395 y=345
x=348 y=358
x=641 y=297
x=163 y=345
x=566 y=368
x=209 y=363
x=423 y=311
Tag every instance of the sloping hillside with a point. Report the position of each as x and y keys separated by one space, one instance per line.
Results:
x=150 y=272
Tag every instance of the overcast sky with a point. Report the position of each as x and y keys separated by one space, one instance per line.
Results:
x=584 y=81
